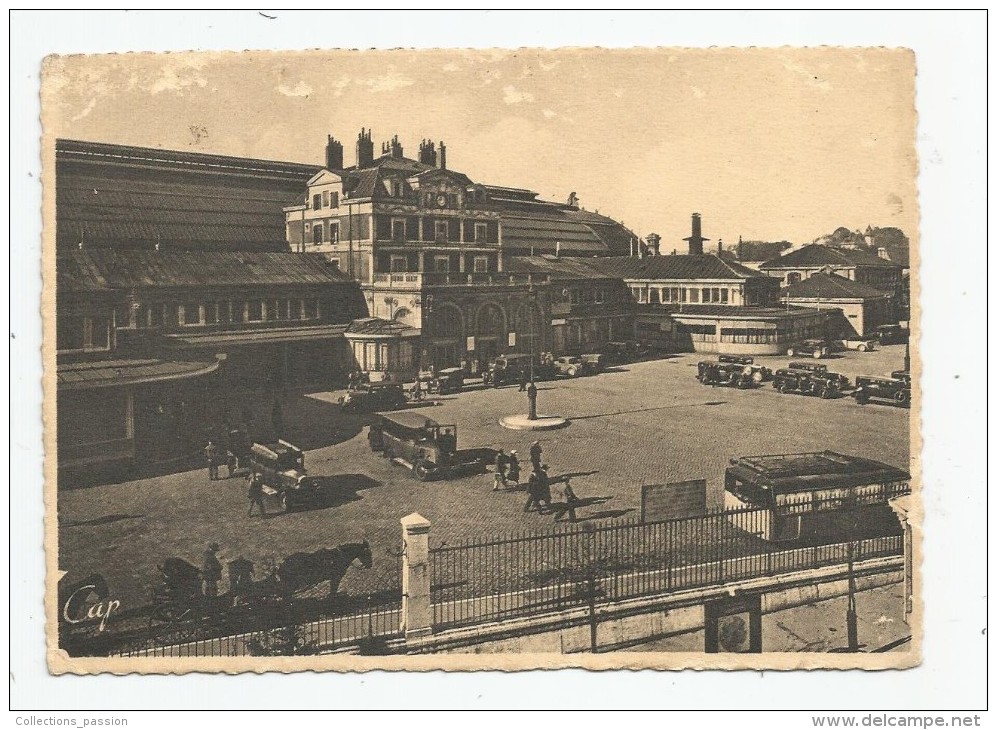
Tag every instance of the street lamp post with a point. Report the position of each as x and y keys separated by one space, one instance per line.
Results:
x=531 y=391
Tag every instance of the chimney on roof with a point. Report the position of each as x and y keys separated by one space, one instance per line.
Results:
x=427 y=153
x=720 y=246
x=395 y=147
x=443 y=156
x=333 y=154
x=696 y=239
x=740 y=249
x=653 y=244
x=365 y=149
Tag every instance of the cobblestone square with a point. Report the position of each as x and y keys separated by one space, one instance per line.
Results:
x=644 y=423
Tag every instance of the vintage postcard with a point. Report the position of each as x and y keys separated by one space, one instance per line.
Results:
x=483 y=359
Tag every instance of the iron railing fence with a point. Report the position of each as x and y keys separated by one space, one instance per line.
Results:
x=367 y=614
x=524 y=574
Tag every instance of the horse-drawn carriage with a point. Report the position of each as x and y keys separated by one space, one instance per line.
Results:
x=182 y=612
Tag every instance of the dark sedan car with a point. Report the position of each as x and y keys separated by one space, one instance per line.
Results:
x=812 y=348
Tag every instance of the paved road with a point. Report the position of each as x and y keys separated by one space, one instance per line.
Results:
x=649 y=422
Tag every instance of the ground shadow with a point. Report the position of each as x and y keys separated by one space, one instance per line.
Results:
x=643 y=410
x=333 y=491
x=105 y=520
x=571 y=475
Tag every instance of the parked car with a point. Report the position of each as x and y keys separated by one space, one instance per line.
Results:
x=285 y=480
x=448 y=380
x=811 y=380
x=509 y=368
x=573 y=366
x=759 y=373
x=729 y=374
x=594 y=362
x=892 y=334
x=862 y=344
x=368 y=397
x=625 y=351
x=901 y=375
x=895 y=390
x=815 y=348
x=426 y=447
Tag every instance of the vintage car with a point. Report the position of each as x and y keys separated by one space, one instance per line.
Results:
x=624 y=352
x=861 y=344
x=426 y=447
x=509 y=368
x=286 y=483
x=448 y=380
x=573 y=365
x=593 y=362
x=368 y=397
x=894 y=389
x=809 y=379
x=892 y=334
x=729 y=374
x=901 y=375
x=815 y=348
x=759 y=373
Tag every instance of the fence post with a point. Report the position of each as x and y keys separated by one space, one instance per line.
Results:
x=416 y=619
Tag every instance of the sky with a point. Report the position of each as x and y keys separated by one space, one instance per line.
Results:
x=775 y=144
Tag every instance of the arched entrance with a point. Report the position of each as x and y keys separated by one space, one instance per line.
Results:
x=491 y=334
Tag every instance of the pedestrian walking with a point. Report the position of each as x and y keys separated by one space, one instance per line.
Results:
x=501 y=464
x=535 y=452
x=211 y=455
x=543 y=488
x=571 y=502
x=524 y=379
x=211 y=570
x=232 y=462
x=513 y=474
x=532 y=492
x=256 y=494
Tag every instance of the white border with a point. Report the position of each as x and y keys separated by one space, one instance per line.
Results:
x=951 y=58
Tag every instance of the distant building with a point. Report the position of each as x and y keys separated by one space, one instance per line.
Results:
x=862 y=308
x=854 y=264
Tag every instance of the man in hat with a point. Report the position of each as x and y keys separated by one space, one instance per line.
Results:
x=256 y=494
x=513 y=473
x=535 y=452
x=211 y=570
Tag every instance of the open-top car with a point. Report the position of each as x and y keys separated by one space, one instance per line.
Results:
x=368 y=397
x=813 y=348
x=286 y=483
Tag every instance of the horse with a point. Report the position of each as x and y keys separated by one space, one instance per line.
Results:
x=304 y=570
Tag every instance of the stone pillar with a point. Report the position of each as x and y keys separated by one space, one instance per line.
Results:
x=417 y=617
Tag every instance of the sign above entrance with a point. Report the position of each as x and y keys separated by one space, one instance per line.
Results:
x=470 y=344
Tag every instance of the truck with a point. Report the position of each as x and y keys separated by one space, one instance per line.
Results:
x=427 y=448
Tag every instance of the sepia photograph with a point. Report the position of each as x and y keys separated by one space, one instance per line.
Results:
x=448 y=353
x=356 y=351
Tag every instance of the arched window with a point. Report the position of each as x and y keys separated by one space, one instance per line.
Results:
x=491 y=321
x=400 y=314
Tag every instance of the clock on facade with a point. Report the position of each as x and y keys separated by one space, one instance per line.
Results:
x=441 y=200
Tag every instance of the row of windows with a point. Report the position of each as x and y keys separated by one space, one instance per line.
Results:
x=400 y=264
x=586 y=296
x=195 y=313
x=681 y=295
x=327 y=199
x=83 y=333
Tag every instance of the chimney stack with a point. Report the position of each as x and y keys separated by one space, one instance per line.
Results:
x=443 y=156
x=653 y=243
x=395 y=147
x=740 y=249
x=333 y=154
x=427 y=153
x=365 y=149
x=696 y=239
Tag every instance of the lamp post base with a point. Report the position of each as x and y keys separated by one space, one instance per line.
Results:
x=523 y=422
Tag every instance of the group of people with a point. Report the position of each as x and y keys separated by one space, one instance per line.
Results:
x=538 y=485
x=217 y=457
